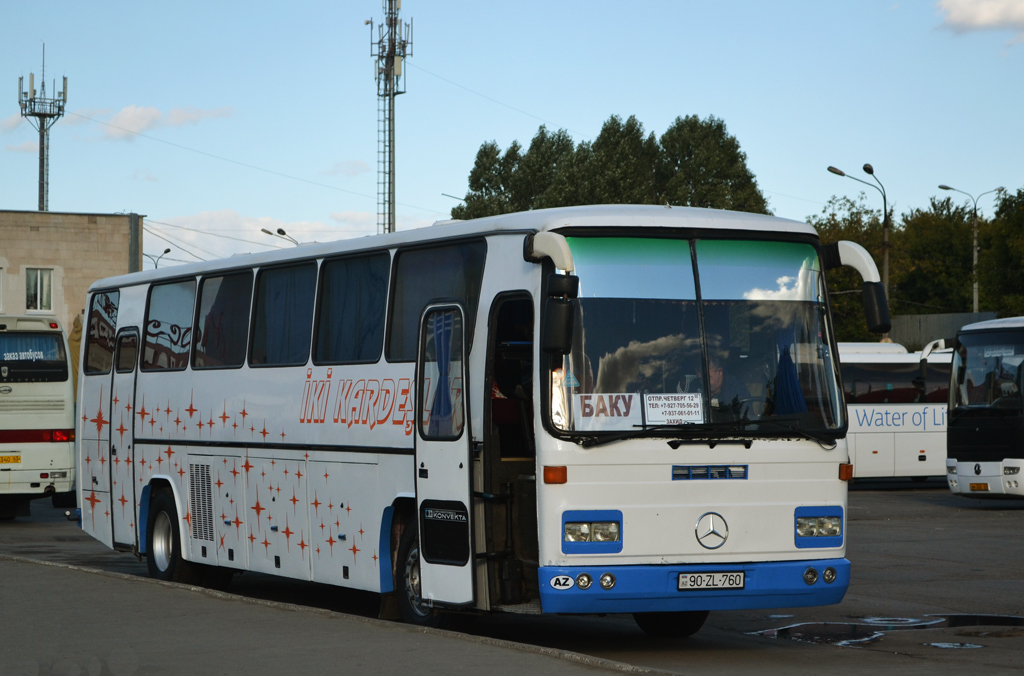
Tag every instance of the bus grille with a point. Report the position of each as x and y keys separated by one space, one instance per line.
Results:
x=688 y=472
x=31 y=405
x=201 y=501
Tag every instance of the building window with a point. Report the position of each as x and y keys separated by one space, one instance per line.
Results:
x=38 y=288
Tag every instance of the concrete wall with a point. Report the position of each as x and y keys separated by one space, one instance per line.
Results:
x=916 y=331
x=79 y=248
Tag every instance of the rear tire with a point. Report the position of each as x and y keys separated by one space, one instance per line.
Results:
x=163 y=543
x=410 y=605
x=671 y=625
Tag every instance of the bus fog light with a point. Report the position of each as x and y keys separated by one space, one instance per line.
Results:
x=810 y=576
x=577 y=532
x=951 y=469
x=1011 y=470
x=829 y=576
x=607 y=581
x=607 y=531
x=583 y=581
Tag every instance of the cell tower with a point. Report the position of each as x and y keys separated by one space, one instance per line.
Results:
x=42 y=113
x=392 y=45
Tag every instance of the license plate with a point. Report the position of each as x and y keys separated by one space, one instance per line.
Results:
x=9 y=459
x=697 y=581
x=979 y=487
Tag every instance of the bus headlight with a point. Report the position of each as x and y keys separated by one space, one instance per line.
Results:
x=951 y=469
x=598 y=531
x=819 y=526
x=1009 y=471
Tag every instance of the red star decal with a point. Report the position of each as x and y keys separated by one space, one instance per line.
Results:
x=298 y=474
x=243 y=412
x=331 y=541
x=322 y=527
x=181 y=471
x=168 y=452
x=128 y=406
x=100 y=421
x=177 y=422
x=191 y=410
x=221 y=542
x=159 y=462
x=252 y=538
x=258 y=508
x=188 y=519
x=266 y=545
x=303 y=545
x=218 y=483
x=234 y=470
x=122 y=429
x=355 y=550
x=116 y=400
x=247 y=466
x=361 y=531
x=224 y=417
x=316 y=503
x=167 y=411
x=288 y=533
x=123 y=502
x=330 y=506
x=282 y=434
x=152 y=422
x=294 y=500
x=103 y=460
x=236 y=523
x=234 y=425
x=286 y=471
x=143 y=412
x=374 y=557
x=264 y=432
x=326 y=475
x=349 y=508
x=117 y=463
x=210 y=423
x=273 y=463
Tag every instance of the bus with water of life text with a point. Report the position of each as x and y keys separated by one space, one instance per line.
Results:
x=896 y=403
x=985 y=446
x=37 y=414
x=504 y=414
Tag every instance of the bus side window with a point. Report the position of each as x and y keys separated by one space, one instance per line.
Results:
x=222 y=328
x=283 y=315
x=99 y=350
x=168 y=326
x=127 y=353
x=350 y=309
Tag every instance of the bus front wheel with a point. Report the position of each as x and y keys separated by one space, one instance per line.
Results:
x=671 y=625
x=410 y=602
x=163 y=542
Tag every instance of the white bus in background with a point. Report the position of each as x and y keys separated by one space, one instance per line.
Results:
x=502 y=414
x=985 y=453
x=37 y=414
x=896 y=402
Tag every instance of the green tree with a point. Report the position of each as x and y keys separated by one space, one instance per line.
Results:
x=697 y=163
x=702 y=166
x=933 y=248
x=1001 y=259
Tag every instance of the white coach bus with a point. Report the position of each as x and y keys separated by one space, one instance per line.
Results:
x=896 y=401
x=985 y=450
x=37 y=414
x=501 y=414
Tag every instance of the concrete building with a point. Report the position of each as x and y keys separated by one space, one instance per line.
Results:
x=48 y=259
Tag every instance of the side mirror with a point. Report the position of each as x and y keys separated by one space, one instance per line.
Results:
x=876 y=307
x=559 y=314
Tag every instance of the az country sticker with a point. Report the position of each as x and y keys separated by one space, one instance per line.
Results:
x=562 y=582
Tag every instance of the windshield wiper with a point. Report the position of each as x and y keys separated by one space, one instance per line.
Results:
x=656 y=430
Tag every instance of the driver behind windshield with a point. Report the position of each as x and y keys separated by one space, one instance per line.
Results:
x=729 y=396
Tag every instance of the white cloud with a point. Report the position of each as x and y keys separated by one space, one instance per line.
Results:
x=963 y=16
x=132 y=120
x=75 y=118
x=10 y=123
x=144 y=175
x=356 y=220
x=26 y=147
x=348 y=168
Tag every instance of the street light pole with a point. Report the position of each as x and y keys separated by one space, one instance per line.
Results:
x=156 y=260
x=868 y=169
x=282 y=234
x=974 y=230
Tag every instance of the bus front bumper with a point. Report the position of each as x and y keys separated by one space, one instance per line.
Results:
x=986 y=479
x=656 y=588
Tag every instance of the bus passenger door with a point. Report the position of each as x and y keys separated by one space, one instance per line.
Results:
x=122 y=439
x=443 y=443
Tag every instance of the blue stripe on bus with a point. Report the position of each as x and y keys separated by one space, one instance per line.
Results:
x=143 y=518
x=655 y=588
x=387 y=582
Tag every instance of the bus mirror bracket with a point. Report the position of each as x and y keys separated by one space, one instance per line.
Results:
x=542 y=245
x=876 y=305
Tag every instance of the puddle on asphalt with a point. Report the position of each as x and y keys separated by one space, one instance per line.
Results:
x=870 y=629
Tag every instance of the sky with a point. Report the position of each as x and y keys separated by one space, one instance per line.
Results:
x=218 y=119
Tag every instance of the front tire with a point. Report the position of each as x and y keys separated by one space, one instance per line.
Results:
x=410 y=603
x=671 y=625
x=163 y=542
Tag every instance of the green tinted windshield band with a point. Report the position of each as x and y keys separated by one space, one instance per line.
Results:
x=747 y=270
x=619 y=267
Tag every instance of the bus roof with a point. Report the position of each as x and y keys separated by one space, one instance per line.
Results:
x=539 y=220
x=994 y=324
x=892 y=353
x=871 y=348
x=29 y=323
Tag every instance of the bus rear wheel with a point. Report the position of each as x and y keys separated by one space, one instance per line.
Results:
x=671 y=625
x=410 y=602
x=163 y=542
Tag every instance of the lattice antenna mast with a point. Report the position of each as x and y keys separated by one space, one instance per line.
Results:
x=42 y=113
x=390 y=45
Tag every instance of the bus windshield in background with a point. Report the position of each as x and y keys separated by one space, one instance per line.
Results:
x=988 y=371
x=647 y=341
x=32 y=358
x=881 y=383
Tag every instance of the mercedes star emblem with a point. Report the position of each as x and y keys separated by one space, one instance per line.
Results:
x=712 y=531
x=977 y=468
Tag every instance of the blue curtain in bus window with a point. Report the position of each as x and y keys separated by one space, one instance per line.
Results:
x=441 y=419
x=223 y=321
x=284 y=315
x=789 y=398
x=353 y=297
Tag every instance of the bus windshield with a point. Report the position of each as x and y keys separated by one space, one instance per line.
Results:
x=32 y=357
x=988 y=371
x=674 y=333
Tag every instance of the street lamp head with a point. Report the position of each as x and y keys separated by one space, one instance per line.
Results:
x=945 y=187
x=868 y=169
x=281 y=232
x=166 y=251
x=265 y=231
x=837 y=172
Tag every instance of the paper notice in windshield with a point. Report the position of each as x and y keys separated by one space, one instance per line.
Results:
x=607 y=411
x=673 y=409
x=999 y=351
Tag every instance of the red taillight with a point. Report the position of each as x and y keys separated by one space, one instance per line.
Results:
x=35 y=436
x=53 y=325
